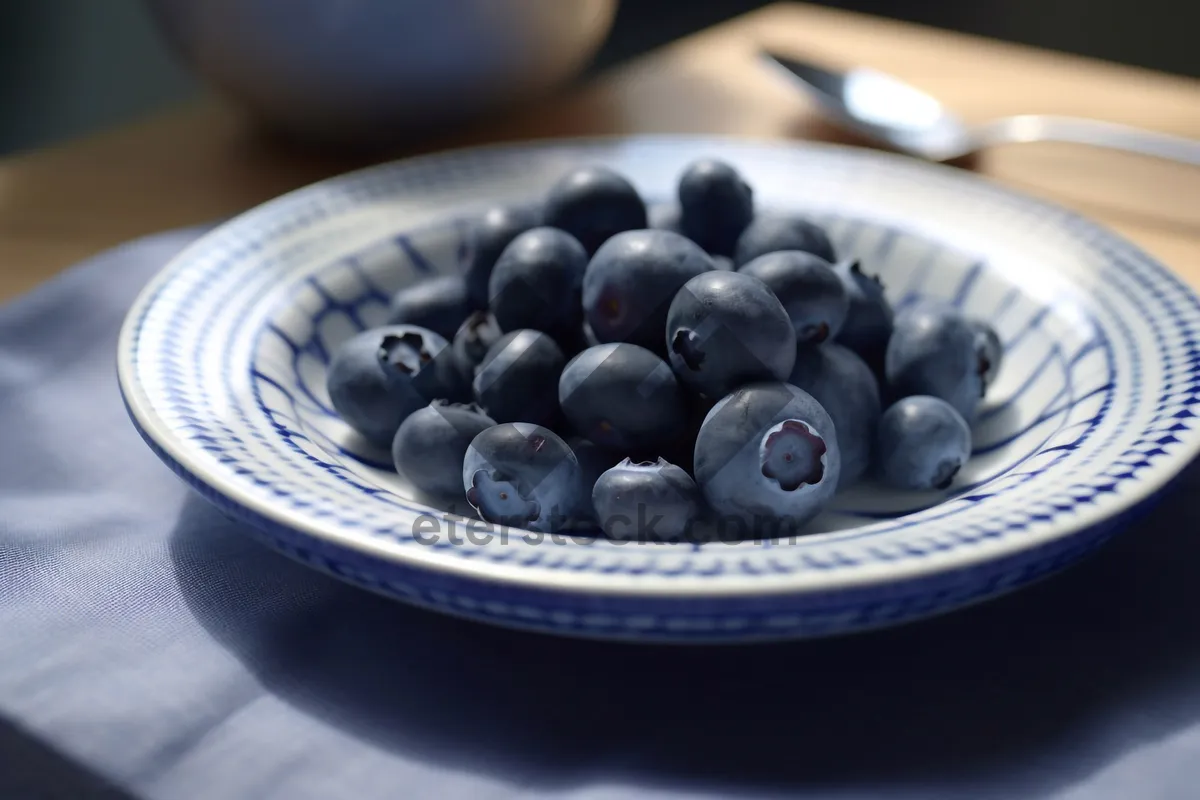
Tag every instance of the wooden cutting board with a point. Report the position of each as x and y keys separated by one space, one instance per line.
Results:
x=205 y=161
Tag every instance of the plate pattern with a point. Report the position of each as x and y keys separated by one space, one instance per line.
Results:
x=222 y=359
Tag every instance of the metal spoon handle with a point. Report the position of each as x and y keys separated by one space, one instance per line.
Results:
x=1040 y=128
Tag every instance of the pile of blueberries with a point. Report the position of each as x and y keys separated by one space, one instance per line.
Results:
x=633 y=371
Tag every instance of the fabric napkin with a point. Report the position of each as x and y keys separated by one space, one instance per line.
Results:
x=149 y=649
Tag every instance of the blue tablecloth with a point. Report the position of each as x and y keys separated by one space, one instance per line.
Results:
x=148 y=646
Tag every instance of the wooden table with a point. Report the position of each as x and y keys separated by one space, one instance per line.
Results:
x=205 y=161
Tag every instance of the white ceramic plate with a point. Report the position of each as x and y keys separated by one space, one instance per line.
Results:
x=222 y=365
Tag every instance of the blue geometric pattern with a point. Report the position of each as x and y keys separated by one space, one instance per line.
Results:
x=222 y=364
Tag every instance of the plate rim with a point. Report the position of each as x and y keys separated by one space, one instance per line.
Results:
x=1142 y=490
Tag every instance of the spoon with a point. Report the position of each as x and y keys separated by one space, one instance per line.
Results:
x=906 y=119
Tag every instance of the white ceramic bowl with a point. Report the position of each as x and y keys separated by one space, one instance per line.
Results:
x=222 y=365
x=368 y=71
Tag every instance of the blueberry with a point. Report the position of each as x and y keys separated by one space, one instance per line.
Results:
x=933 y=351
x=715 y=205
x=846 y=388
x=431 y=443
x=665 y=217
x=869 y=318
x=650 y=501
x=536 y=282
x=524 y=476
x=593 y=204
x=471 y=343
x=990 y=351
x=381 y=375
x=768 y=233
x=767 y=458
x=622 y=396
x=923 y=443
x=810 y=290
x=630 y=282
x=726 y=329
x=437 y=304
x=489 y=236
x=517 y=381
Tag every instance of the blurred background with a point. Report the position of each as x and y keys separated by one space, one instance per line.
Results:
x=71 y=66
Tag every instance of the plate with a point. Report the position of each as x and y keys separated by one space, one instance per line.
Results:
x=222 y=359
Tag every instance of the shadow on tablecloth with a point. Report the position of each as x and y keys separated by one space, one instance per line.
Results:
x=1038 y=689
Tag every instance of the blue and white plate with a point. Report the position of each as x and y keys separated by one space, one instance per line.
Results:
x=222 y=364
